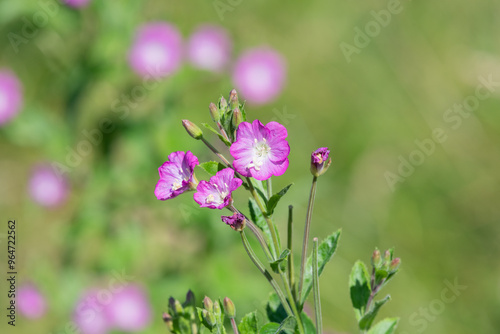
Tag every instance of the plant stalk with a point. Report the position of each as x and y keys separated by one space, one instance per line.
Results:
x=317 y=301
x=292 y=301
x=291 y=272
x=233 y=324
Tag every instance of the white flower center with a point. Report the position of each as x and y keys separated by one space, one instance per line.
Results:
x=260 y=151
x=176 y=186
x=222 y=194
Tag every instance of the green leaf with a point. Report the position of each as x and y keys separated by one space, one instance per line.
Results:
x=366 y=321
x=273 y=201
x=249 y=324
x=274 y=309
x=281 y=262
x=260 y=188
x=359 y=284
x=270 y=328
x=221 y=137
x=386 y=326
x=325 y=252
x=211 y=167
x=309 y=327
x=287 y=325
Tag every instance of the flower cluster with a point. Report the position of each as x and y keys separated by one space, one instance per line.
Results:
x=158 y=51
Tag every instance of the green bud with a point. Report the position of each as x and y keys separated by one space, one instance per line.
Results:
x=222 y=104
x=167 y=319
x=190 y=299
x=233 y=99
x=229 y=308
x=237 y=117
x=395 y=264
x=178 y=307
x=209 y=317
x=193 y=130
x=209 y=305
x=214 y=112
x=376 y=259
x=217 y=309
x=171 y=304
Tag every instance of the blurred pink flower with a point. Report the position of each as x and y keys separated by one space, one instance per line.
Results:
x=209 y=48
x=90 y=315
x=30 y=302
x=46 y=187
x=77 y=3
x=259 y=75
x=10 y=96
x=129 y=309
x=156 y=50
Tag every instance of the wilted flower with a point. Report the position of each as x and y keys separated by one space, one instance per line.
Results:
x=176 y=175
x=76 y=3
x=319 y=163
x=10 y=96
x=46 y=187
x=209 y=48
x=129 y=309
x=30 y=302
x=90 y=316
x=236 y=221
x=260 y=151
x=259 y=75
x=156 y=50
x=216 y=194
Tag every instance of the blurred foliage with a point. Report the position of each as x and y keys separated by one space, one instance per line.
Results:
x=443 y=220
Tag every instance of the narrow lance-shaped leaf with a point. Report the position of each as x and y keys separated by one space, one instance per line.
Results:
x=325 y=252
x=258 y=219
x=359 y=284
x=221 y=137
x=273 y=201
x=386 y=326
x=280 y=263
x=366 y=321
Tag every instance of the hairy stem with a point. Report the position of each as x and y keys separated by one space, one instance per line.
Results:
x=291 y=272
x=317 y=301
x=292 y=302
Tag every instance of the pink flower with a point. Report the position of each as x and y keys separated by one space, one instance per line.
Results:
x=209 y=48
x=176 y=175
x=259 y=75
x=30 y=302
x=216 y=194
x=156 y=50
x=260 y=151
x=10 y=96
x=236 y=221
x=47 y=188
x=129 y=309
x=77 y=3
x=319 y=163
x=90 y=316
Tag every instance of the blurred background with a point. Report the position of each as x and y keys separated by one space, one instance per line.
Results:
x=405 y=94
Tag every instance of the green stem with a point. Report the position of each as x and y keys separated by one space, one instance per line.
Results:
x=312 y=195
x=216 y=152
x=292 y=302
x=276 y=250
x=291 y=271
x=266 y=273
x=269 y=188
x=317 y=301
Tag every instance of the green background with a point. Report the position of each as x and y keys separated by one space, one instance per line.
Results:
x=443 y=219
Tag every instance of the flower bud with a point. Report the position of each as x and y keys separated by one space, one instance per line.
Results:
x=319 y=163
x=233 y=99
x=376 y=259
x=209 y=305
x=193 y=130
x=178 y=307
x=190 y=299
x=229 y=308
x=395 y=264
x=217 y=309
x=209 y=317
x=167 y=319
x=237 y=221
x=237 y=117
x=222 y=104
x=214 y=112
x=171 y=304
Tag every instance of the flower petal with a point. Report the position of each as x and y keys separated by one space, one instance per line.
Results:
x=277 y=130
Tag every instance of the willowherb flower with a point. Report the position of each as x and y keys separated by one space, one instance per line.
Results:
x=237 y=221
x=259 y=75
x=176 y=175
x=89 y=315
x=319 y=163
x=216 y=194
x=156 y=50
x=10 y=96
x=30 y=302
x=260 y=151
x=76 y=3
x=129 y=309
x=209 y=48
x=48 y=188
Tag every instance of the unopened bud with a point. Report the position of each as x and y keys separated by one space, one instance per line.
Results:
x=233 y=99
x=229 y=308
x=376 y=258
x=222 y=104
x=237 y=117
x=209 y=305
x=190 y=299
x=319 y=161
x=217 y=309
x=167 y=319
x=178 y=307
x=387 y=256
x=395 y=264
x=193 y=130
x=214 y=112
x=171 y=304
x=209 y=317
